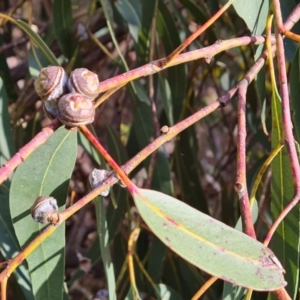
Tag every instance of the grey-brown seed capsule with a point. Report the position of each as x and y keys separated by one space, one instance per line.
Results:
x=97 y=177
x=51 y=83
x=75 y=110
x=45 y=210
x=84 y=82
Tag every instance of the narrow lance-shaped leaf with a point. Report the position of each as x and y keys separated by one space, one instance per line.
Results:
x=254 y=13
x=62 y=21
x=38 y=42
x=102 y=229
x=47 y=171
x=176 y=75
x=131 y=11
x=209 y=244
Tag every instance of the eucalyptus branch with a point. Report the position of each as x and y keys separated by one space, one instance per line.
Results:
x=128 y=167
x=113 y=84
x=158 y=65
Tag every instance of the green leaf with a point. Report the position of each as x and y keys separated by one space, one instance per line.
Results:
x=285 y=242
x=161 y=180
x=37 y=40
x=102 y=229
x=36 y=61
x=7 y=147
x=157 y=255
x=168 y=32
x=207 y=243
x=131 y=295
x=167 y=293
x=233 y=292
x=166 y=96
x=47 y=171
x=230 y=291
x=143 y=45
x=254 y=13
x=107 y=10
x=118 y=152
x=143 y=127
x=131 y=11
x=63 y=22
x=187 y=168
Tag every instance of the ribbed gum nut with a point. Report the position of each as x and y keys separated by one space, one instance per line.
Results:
x=45 y=210
x=51 y=83
x=84 y=82
x=75 y=110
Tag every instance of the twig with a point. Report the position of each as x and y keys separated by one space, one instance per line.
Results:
x=291 y=35
x=241 y=184
x=205 y=287
x=157 y=65
x=199 y=31
x=3 y=288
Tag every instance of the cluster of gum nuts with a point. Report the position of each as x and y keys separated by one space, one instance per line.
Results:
x=68 y=99
x=71 y=101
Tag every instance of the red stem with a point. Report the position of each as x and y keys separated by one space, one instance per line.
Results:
x=241 y=184
x=107 y=157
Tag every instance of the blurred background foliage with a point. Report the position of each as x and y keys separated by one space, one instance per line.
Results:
x=198 y=167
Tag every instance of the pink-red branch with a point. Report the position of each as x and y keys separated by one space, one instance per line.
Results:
x=25 y=151
x=241 y=183
x=158 y=65
x=285 y=100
